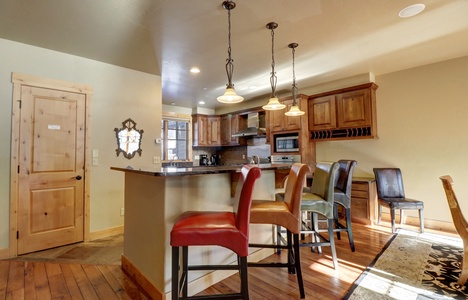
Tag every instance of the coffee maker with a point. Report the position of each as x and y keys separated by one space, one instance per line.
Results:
x=203 y=160
x=215 y=160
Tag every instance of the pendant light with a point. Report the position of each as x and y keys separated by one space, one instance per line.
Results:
x=294 y=110
x=273 y=103
x=230 y=95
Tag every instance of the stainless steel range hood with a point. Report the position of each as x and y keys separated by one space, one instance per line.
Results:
x=255 y=126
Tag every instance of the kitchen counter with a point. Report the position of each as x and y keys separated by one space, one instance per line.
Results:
x=155 y=197
x=198 y=170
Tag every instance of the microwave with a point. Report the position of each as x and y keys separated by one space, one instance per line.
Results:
x=287 y=143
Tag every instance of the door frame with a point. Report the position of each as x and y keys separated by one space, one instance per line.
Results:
x=19 y=80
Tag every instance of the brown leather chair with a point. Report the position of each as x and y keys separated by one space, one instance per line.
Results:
x=286 y=214
x=320 y=201
x=215 y=228
x=461 y=225
x=391 y=194
x=342 y=198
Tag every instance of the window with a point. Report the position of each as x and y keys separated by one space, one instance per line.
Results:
x=176 y=141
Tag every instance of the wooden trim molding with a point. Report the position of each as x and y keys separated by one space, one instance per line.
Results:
x=141 y=280
x=105 y=233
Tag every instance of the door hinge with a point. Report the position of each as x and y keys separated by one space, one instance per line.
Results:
x=19 y=102
x=17 y=235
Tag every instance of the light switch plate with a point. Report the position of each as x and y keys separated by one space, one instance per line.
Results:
x=156 y=160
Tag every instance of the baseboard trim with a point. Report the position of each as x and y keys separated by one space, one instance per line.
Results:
x=5 y=253
x=140 y=279
x=442 y=226
x=101 y=234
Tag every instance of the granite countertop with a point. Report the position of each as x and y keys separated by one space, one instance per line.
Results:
x=174 y=171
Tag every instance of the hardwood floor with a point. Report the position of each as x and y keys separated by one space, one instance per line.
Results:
x=321 y=281
x=35 y=278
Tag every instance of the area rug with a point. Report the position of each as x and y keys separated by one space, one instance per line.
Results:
x=413 y=266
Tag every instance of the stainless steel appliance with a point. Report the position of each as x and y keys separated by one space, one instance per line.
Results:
x=203 y=159
x=285 y=159
x=287 y=143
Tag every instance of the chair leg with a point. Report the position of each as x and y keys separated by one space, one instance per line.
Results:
x=290 y=252
x=315 y=227
x=349 y=229
x=379 y=218
x=244 y=277
x=337 y=223
x=332 y=243
x=297 y=262
x=175 y=273
x=185 y=270
x=421 y=219
x=392 y=219
x=278 y=238
x=401 y=216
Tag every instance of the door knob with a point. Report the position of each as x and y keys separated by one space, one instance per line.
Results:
x=78 y=177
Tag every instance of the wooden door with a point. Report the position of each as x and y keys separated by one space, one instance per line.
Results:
x=51 y=168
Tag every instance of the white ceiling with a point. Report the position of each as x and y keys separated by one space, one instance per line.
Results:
x=337 y=39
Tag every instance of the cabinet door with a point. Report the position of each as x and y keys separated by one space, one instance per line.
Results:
x=276 y=120
x=291 y=123
x=354 y=109
x=214 y=134
x=229 y=126
x=322 y=113
x=200 y=130
x=226 y=131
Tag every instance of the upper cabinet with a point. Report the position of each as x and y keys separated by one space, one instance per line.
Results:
x=206 y=130
x=348 y=113
x=278 y=121
x=230 y=124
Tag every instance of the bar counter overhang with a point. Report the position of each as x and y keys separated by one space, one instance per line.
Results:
x=155 y=197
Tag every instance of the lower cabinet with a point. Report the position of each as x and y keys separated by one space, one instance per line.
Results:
x=363 y=200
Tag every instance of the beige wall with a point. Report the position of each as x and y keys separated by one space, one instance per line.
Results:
x=119 y=94
x=423 y=129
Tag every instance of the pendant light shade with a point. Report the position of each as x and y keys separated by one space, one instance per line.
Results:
x=273 y=103
x=294 y=110
x=230 y=95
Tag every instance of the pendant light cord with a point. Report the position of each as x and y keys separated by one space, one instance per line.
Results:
x=294 y=86
x=229 y=64
x=273 y=78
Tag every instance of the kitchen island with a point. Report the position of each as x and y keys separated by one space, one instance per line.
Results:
x=155 y=197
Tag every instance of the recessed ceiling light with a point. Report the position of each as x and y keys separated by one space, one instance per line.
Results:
x=172 y=103
x=201 y=102
x=252 y=87
x=195 y=70
x=411 y=10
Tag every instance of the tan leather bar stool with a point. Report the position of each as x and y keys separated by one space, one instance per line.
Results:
x=287 y=215
x=214 y=228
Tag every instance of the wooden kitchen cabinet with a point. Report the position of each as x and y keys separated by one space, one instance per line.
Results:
x=363 y=200
x=348 y=113
x=206 y=130
x=322 y=113
x=200 y=130
x=214 y=131
x=280 y=122
x=229 y=126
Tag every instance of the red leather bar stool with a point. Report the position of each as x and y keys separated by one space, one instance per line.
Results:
x=286 y=214
x=214 y=228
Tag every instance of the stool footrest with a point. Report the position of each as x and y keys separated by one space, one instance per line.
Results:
x=219 y=296
x=212 y=267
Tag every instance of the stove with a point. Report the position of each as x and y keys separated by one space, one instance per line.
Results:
x=285 y=159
